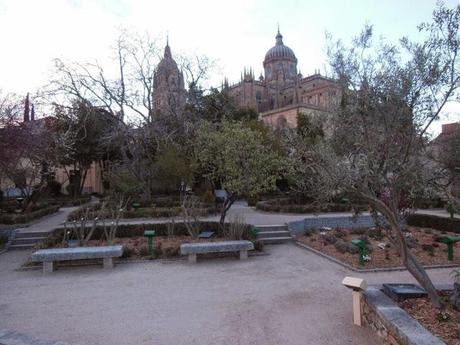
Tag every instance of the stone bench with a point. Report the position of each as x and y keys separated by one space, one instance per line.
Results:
x=49 y=256
x=192 y=249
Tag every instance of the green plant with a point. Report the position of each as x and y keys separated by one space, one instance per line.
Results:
x=3 y=241
x=253 y=233
x=443 y=316
x=237 y=229
x=376 y=234
x=429 y=249
x=127 y=252
x=259 y=245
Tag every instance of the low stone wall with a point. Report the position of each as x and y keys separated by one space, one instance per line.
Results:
x=394 y=325
x=299 y=227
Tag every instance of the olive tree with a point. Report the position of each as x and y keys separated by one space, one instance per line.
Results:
x=237 y=158
x=390 y=95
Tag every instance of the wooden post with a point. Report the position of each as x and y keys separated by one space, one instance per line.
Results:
x=357 y=307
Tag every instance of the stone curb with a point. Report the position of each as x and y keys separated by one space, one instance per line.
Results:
x=369 y=270
x=397 y=323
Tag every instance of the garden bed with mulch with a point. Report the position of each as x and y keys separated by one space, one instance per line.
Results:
x=423 y=242
x=446 y=328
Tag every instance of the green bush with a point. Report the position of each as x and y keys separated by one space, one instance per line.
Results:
x=3 y=241
x=143 y=212
x=289 y=205
x=434 y=222
x=22 y=218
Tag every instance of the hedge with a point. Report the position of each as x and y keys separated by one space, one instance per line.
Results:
x=434 y=222
x=287 y=205
x=23 y=218
x=144 y=212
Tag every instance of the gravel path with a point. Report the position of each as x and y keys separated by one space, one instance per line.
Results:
x=288 y=297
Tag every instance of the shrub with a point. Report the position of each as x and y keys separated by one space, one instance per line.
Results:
x=237 y=229
x=23 y=218
x=329 y=239
x=3 y=241
x=252 y=200
x=289 y=205
x=259 y=245
x=54 y=187
x=341 y=246
x=434 y=222
x=376 y=233
x=127 y=252
x=429 y=249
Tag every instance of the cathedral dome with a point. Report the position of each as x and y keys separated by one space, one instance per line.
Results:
x=280 y=51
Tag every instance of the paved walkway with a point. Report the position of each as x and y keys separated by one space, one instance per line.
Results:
x=290 y=297
x=249 y=214
x=48 y=223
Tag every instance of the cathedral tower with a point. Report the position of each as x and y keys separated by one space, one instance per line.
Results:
x=169 y=95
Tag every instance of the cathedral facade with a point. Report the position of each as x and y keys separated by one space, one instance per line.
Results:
x=282 y=93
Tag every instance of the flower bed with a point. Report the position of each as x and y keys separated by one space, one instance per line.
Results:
x=423 y=242
x=22 y=218
x=135 y=244
x=447 y=328
x=288 y=205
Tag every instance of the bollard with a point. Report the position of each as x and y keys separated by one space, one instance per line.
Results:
x=362 y=250
x=150 y=234
x=450 y=241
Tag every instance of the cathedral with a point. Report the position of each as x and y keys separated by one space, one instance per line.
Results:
x=278 y=96
x=282 y=93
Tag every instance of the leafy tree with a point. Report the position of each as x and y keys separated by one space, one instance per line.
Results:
x=236 y=158
x=80 y=130
x=389 y=100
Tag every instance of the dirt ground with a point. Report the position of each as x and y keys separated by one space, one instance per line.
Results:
x=290 y=296
x=388 y=257
x=422 y=310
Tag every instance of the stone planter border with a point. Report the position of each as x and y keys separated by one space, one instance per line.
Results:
x=368 y=270
x=391 y=322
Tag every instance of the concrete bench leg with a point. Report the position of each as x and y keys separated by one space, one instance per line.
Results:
x=192 y=258
x=243 y=254
x=108 y=262
x=48 y=266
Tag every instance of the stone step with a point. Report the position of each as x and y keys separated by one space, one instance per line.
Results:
x=270 y=234
x=277 y=240
x=28 y=240
x=20 y=246
x=27 y=234
x=263 y=228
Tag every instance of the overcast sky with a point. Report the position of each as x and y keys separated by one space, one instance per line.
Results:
x=235 y=33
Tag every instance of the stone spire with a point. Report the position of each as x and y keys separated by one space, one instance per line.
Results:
x=167 y=54
x=26 y=109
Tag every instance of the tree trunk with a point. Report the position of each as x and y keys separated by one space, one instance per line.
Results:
x=409 y=260
x=419 y=273
x=227 y=204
